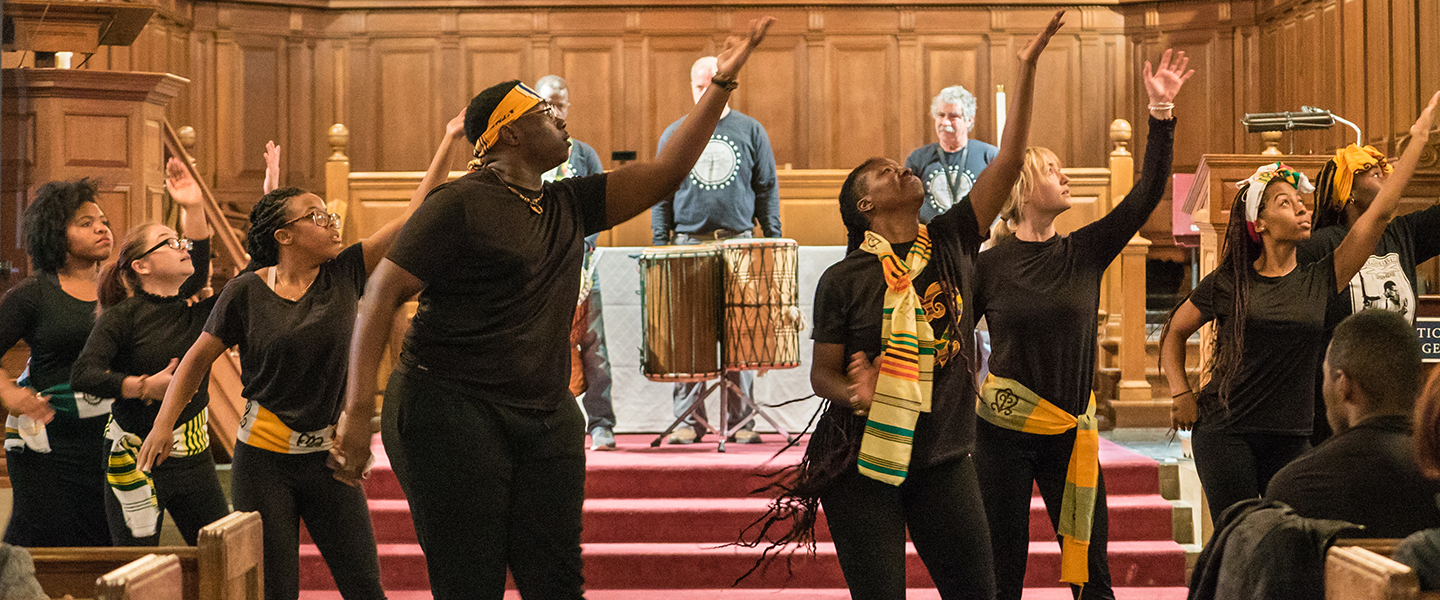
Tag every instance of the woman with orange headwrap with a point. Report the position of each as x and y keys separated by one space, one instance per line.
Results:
x=1344 y=189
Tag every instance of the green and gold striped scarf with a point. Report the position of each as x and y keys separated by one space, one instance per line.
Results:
x=135 y=489
x=902 y=390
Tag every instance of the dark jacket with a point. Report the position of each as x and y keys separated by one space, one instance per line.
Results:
x=1265 y=552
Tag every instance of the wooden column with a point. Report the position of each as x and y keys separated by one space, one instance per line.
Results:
x=337 y=181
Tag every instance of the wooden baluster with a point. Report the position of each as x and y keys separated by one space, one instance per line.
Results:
x=1122 y=178
x=1133 y=390
x=337 y=181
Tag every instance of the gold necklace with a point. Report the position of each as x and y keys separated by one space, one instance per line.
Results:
x=533 y=202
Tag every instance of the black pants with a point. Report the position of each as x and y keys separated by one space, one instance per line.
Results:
x=288 y=488
x=60 y=494
x=1010 y=464
x=1237 y=466
x=187 y=488
x=489 y=487
x=941 y=508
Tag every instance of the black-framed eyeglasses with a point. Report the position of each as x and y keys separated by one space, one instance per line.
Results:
x=322 y=220
x=175 y=243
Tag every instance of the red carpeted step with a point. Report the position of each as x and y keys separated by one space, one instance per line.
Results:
x=666 y=566
x=720 y=520
x=1152 y=593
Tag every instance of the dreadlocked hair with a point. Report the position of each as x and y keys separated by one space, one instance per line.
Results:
x=118 y=280
x=1237 y=253
x=47 y=219
x=265 y=218
x=835 y=444
x=1328 y=209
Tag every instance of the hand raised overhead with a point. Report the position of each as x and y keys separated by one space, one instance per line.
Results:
x=1164 y=82
x=737 y=49
x=1032 y=50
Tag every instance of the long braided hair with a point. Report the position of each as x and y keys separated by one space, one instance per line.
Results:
x=265 y=218
x=798 y=488
x=1328 y=210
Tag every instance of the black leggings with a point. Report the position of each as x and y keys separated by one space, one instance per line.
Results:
x=1010 y=464
x=187 y=488
x=60 y=494
x=939 y=505
x=489 y=487
x=1237 y=466
x=288 y=488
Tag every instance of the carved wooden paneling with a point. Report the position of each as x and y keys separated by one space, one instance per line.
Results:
x=863 y=112
x=407 y=122
x=774 y=93
x=592 y=69
x=947 y=61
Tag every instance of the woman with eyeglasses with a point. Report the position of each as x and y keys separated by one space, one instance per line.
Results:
x=291 y=314
x=145 y=326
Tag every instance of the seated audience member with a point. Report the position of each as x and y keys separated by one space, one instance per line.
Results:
x=1367 y=473
x=1421 y=551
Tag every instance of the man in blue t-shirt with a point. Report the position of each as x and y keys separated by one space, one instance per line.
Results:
x=948 y=168
x=594 y=359
x=732 y=188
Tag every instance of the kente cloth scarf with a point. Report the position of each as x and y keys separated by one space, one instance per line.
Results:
x=1254 y=188
x=520 y=99
x=902 y=388
x=134 y=488
x=1008 y=403
x=1348 y=161
x=25 y=433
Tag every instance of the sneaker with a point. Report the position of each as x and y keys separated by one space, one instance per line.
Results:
x=747 y=436
x=602 y=438
x=683 y=435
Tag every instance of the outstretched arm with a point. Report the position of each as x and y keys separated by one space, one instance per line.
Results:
x=1355 y=249
x=992 y=187
x=632 y=189
x=385 y=292
x=378 y=245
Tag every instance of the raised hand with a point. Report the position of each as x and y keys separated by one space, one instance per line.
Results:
x=1031 y=52
x=1426 y=123
x=456 y=127
x=863 y=375
x=181 y=185
x=272 y=166
x=24 y=401
x=1164 y=82
x=737 y=49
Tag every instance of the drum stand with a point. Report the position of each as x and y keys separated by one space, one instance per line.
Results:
x=725 y=430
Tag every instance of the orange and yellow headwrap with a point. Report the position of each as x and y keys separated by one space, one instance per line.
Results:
x=1350 y=160
x=520 y=99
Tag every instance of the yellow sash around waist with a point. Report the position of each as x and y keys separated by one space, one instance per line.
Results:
x=1008 y=403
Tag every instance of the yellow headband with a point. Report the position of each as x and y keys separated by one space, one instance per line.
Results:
x=520 y=99
x=1351 y=160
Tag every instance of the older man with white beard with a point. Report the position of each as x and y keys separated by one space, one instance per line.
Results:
x=948 y=168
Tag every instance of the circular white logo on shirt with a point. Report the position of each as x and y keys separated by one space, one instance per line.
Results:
x=718 y=164
x=939 y=186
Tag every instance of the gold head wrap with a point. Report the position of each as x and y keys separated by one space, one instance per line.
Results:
x=520 y=99
x=1350 y=160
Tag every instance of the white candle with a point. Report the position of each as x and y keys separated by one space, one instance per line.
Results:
x=999 y=114
x=62 y=59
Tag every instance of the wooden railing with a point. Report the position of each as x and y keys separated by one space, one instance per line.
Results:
x=226 y=405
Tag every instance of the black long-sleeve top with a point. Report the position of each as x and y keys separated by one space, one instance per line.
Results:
x=138 y=337
x=1040 y=298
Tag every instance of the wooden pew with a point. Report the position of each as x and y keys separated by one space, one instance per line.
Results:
x=1354 y=573
x=152 y=577
x=225 y=565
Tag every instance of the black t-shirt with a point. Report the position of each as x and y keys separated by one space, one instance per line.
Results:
x=500 y=285
x=1367 y=476
x=849 y=310
x=1388 y=278
x=294 y=355
x=1273 y=388
x=1041 y=299
x=139 y=336
x=53 y=323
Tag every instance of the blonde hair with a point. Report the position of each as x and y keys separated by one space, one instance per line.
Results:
x=1030 y=174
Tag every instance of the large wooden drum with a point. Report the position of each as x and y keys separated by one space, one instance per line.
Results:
x=762 y=304
x=680 y=312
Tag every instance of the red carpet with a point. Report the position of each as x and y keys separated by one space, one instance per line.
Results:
x=655 y=518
